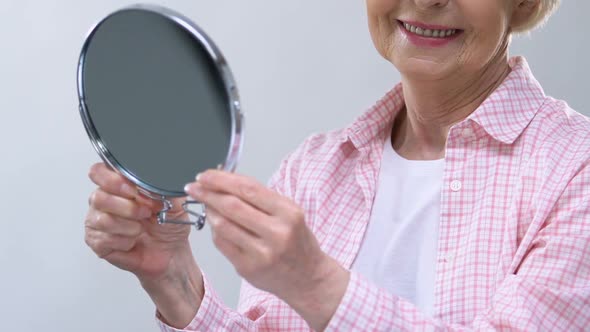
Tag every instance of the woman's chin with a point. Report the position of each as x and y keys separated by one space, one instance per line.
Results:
x=424 y=69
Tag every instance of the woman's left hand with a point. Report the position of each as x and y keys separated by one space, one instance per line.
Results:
x=265 y=237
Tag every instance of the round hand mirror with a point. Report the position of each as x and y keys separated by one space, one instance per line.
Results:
x=158 y=102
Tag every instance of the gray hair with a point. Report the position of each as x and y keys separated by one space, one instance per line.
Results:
x=540 y=16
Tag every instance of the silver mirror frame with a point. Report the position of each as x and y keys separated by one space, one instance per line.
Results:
x=237 y=117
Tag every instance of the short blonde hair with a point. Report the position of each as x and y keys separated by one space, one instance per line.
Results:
x=542 y=13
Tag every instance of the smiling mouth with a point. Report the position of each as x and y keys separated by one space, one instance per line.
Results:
x=429 y=33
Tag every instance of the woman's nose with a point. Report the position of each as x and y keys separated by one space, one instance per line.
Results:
x=427 y=4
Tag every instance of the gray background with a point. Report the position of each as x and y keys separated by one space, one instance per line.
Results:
x=302 y=66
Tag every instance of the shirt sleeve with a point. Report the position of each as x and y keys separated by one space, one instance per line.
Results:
x=254 y=310
x=213 y=315
x=549 y=291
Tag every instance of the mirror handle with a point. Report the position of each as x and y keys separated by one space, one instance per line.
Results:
x=199 y=223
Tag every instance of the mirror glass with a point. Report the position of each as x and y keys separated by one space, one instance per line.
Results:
x=156 y=99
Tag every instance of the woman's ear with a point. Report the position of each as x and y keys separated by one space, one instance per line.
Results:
x=524 y=12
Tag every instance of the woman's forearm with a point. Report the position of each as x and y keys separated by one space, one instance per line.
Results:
x=178 y=294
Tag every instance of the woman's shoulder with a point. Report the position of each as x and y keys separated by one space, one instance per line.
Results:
x=556 y=122
x=558 y=140
x=561 y=114
x=319 y=146
x=311 y=160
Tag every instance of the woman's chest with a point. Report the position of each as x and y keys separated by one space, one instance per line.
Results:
x=485 y=207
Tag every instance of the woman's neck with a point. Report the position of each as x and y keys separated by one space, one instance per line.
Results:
x=433 y=107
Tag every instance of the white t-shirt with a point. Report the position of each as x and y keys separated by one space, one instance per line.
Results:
x=398 y=252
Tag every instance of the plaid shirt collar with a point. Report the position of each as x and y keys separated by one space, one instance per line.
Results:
x=518 y=84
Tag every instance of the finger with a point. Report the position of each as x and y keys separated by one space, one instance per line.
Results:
x=107 y=223
x=222 y=228
x=116 y=184
x=152 y=204
x=233 y=209
x=111 y=181
x=231 y=251
x=245 y=255
x=119 y=206
x=246 y=188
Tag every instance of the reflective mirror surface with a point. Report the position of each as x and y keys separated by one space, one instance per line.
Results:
x=156 y=100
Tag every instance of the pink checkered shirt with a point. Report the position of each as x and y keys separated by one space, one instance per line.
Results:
x=514 y=241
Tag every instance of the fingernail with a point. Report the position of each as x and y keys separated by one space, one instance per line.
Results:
x=192 y=189
x=189 y=188
x=128 y=190
x=198 y=176
x=144 y=212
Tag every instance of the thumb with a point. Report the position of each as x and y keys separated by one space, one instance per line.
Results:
x=150 y=203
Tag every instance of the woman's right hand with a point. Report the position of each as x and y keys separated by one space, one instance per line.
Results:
x=121 y=227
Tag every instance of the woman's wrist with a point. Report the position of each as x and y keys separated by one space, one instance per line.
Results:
x=318 y=304
x=177 y=293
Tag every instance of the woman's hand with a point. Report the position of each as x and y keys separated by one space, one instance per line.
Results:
x=265 y=237
x=121 y=228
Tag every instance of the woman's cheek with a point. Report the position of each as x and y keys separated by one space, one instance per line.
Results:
x=381 y=7
x=481 y=46
x=381 y=35
x=491 y=25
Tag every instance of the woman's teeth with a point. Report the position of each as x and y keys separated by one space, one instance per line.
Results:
x=429 y=32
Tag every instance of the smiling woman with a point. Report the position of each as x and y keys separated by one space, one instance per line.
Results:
x=460 y=200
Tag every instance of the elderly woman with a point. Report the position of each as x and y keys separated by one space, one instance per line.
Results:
x=460 y=200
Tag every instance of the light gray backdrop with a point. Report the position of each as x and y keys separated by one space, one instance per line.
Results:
x=302 y=66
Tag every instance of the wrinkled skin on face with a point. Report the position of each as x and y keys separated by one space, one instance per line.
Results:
x=485 y=31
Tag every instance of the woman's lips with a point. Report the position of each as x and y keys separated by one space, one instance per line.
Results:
x=427 y=35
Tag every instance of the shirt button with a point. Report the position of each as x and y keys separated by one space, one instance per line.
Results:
x=456 y=185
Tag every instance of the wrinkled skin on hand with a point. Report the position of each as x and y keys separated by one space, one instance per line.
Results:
x=121 y=226
x=265 y=236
